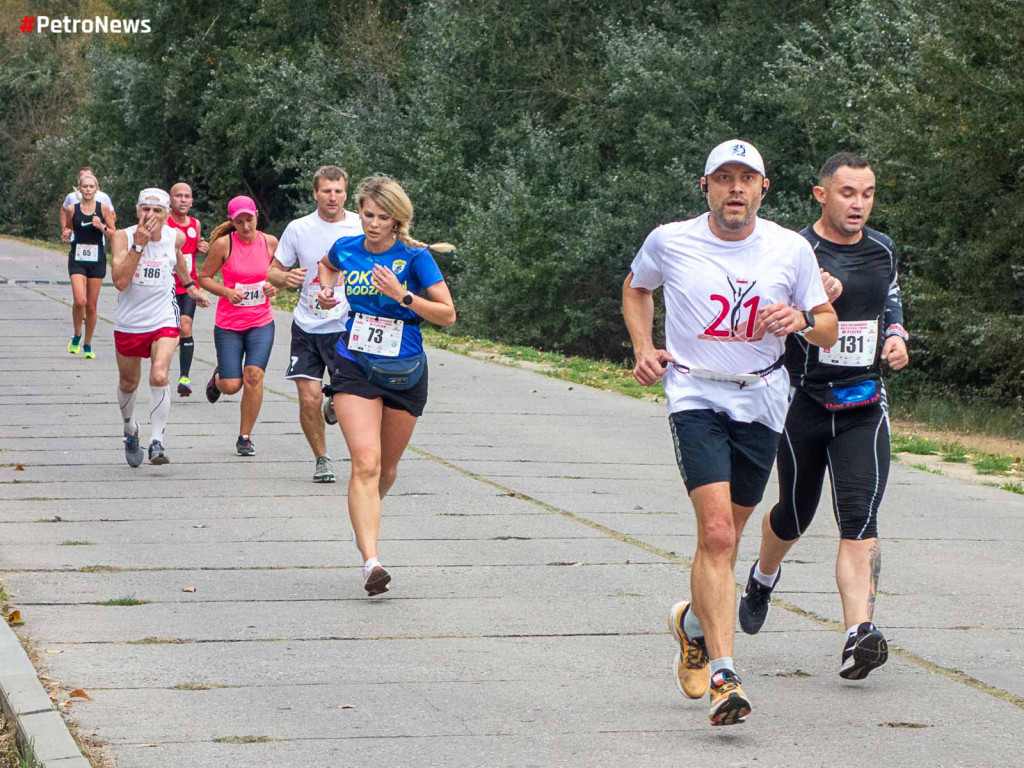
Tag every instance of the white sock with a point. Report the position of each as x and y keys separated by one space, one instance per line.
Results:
x=852 y=631
x=691 y=624
x=717 y=665
x=159 y=410
x=126 y=402
x=368 y=566
x=766 y=579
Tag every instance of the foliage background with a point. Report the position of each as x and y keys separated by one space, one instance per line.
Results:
x=547 y=137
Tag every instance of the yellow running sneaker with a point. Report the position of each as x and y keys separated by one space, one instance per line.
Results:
x=73 y=345
x=691 y=665
x=87 y=352
x=729 y=705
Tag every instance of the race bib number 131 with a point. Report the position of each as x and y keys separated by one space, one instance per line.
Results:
x=856 y=344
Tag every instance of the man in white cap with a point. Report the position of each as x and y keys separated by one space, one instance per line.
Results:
x=735 y=286
x=146 y=323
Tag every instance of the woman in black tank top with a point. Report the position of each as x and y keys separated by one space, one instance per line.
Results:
x=87 y=260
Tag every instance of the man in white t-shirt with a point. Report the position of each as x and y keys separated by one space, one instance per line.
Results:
x=735 y=286
x=315 y=330
x=74 y=196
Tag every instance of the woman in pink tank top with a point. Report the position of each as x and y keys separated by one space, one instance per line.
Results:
x=244 y=325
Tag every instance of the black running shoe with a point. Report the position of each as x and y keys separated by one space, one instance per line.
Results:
x=212 y=393
x=377 y=581
x=756 y=602
x=865 y=651
x=156 y=453
x=245 y=447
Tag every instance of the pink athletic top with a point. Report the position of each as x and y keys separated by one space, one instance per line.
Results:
x=245 y=268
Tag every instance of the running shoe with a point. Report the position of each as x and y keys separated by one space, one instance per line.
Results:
x=212 y=393
x=73 y=345
x=865 y=651
x=330 y=417
x=756 y=602
x=244 y=446
x=729 y=705
x=133 y=452
x=184 y=387
x=691 y=665
x=377 y=581
x=324 y=470
x=87 y=352
x=156 y=453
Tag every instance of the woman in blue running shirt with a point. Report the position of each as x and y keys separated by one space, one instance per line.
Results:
x=391 y=283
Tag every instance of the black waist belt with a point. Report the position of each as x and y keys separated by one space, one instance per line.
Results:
x=414 y=321
x=771 y=368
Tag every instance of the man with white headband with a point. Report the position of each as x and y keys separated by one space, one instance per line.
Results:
x=735 y=286
x=146 y=258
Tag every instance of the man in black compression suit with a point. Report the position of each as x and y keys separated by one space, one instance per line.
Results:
x=838 y=418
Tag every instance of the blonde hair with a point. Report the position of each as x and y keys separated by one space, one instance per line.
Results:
x=389 y=195
x=88 y=175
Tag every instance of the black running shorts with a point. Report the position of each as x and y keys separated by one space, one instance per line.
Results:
x=348 y=378
x=311 y=354
x=91 y=269
x=853 y=446
x=712 y=448
x=186 y=304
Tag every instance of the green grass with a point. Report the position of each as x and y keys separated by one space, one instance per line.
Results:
x=990 y=464
x=922 y=446
x=286 y=299
x=244 y=740
x=602 y=374
x=925 y=468
x=955 y=453
x=101 y=569
x=156 y=641
x=70 y=543
x=956 y=415
x=1010 y=486
x=200 y=686
x=50 y=245
x=122 y=601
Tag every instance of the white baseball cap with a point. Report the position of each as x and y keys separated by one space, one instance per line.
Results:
x=154 y=196
x=734 y=151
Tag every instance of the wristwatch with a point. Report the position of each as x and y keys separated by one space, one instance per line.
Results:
x=137 y=248
x=809 y=319
x=407 y=299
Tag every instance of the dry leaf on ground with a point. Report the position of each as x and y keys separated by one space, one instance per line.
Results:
x=78 y=693
x=14 y=617
x=188 y=589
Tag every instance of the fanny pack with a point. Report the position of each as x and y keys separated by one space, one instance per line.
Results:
x=848 y=397
x=395 y=373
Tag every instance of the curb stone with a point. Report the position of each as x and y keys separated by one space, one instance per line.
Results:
x=37 y=721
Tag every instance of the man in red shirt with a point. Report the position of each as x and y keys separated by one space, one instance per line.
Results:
x=181 y=204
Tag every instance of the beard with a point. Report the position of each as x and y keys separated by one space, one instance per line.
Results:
x=733 y=223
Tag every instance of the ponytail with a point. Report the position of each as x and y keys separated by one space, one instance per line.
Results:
x=389 y=195
x=221 y=229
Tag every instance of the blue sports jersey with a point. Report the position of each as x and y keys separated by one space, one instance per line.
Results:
x=415 y=269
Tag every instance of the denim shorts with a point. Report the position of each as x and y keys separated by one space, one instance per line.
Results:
x=254 y=344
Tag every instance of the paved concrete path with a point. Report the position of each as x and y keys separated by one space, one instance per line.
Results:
x=538 y=535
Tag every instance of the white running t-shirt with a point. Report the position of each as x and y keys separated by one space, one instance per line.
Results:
x=713 y=290
x=305 y=241
x=148 y=303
